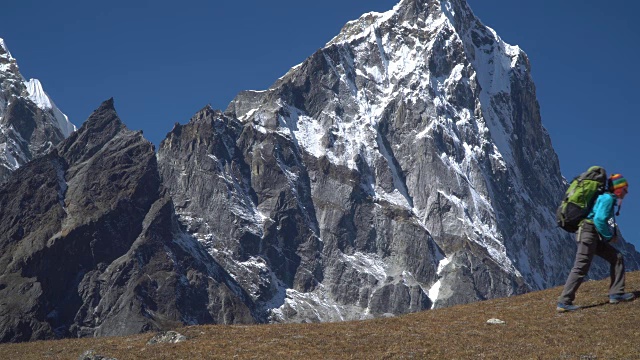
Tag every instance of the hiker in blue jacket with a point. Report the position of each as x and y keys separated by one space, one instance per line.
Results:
x=594 y=237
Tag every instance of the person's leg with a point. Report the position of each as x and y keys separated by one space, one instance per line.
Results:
x=587 y=242
x=616 y=262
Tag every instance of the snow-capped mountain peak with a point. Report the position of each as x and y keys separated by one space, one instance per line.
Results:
x=4 y=51
x=44 y=102
x=7 y=62
x=30 y=122
x=438 y=116
x=3 y=46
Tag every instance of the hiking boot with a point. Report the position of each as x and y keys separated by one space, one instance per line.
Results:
x=614 y=299
x=566 y=307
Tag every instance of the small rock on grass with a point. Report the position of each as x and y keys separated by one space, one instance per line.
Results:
x=170 y=337
x=91 y=355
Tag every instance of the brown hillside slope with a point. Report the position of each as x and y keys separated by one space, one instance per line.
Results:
x=533 y=330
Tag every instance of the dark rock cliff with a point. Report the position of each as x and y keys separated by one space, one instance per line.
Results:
x=90 y=245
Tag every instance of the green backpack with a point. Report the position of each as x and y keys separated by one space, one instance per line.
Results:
x=580 y=197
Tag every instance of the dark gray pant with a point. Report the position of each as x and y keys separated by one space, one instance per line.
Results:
x=589 y=244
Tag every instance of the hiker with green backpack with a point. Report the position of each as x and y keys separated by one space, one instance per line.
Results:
x=588 y=208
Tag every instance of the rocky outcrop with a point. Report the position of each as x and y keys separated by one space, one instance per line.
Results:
x=90 y=245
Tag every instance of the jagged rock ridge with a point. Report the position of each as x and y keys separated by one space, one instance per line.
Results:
x=90 y=245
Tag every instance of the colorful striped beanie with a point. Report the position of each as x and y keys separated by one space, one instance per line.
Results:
x=618 y=183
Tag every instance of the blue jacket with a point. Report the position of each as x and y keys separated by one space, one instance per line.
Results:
x=602 y=213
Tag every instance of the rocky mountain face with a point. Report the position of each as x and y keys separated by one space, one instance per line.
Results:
x=401 y=167
x=297 y=232
x=90 y=245
x=30 y=123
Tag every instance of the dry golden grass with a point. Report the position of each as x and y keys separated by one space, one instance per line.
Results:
x=533 y=330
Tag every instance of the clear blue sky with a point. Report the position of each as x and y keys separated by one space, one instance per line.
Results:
x=164 y=60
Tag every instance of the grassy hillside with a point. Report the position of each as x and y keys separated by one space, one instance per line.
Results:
x=533 y=330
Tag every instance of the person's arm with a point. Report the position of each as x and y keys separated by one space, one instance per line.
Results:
x=603 y=211
x=615 y=233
